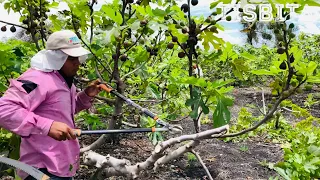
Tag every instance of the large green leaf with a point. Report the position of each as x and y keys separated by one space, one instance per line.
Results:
x=221 y=115
x=112 y=13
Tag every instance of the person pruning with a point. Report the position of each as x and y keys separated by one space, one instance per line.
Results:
x=40 y=106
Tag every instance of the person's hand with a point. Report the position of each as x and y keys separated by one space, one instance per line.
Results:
x=93 y=89
x=61 y=131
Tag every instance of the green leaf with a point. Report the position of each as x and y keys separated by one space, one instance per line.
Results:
x=311 y=67
x=112 y=13
x=145 y=2
x=315 y=150
x=205 y=108
x=153 y=89
x=282 y=173
x=3 y=87
x=248 y=56
x=54 y=4
x=221 y=115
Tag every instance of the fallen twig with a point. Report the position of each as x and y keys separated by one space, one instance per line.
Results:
x=202 y=163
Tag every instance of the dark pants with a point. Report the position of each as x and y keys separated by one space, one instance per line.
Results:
x=52 y=177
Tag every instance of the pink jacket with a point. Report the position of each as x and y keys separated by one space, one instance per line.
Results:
x=30 y=115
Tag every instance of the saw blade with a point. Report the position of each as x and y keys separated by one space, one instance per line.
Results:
x=24 y=167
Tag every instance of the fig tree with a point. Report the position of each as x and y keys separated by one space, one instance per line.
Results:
x=300 y=78
x=286 y=93
x=283 y=66
x=198 y=30
x=13 y=29
x=181 y=54
x=185 y=8
x=280 y=50
x=184 y=30
x=170 y=46
x=25 y=21
x=3 y=28
x=141 y=41
x=184 y=45
x=228 y=18
x=34 y=24
x=114 y=56
x=213 y=28
x=291 y=25
x=192 y=40
x=174 y=39
x=291 y=35
x=208 y=20
x=291 y=58
x=143 y=22
x=123 y=57
x=148 y=49
x=194 y=2
x=213 y=22
x=288 y=17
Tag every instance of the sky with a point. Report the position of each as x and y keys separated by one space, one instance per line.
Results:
x=308 y=21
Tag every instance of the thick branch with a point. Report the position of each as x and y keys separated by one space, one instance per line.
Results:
x=122 y=167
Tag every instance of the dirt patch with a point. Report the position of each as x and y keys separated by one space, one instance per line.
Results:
x=224 y=160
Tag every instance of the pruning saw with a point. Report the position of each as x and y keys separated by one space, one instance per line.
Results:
x=145 y=111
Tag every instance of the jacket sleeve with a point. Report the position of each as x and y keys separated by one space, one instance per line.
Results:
x=16 y=110
x=83 y=101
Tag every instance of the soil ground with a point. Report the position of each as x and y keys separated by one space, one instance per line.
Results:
x=225 y=160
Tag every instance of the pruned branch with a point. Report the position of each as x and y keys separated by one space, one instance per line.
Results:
x=121 y=167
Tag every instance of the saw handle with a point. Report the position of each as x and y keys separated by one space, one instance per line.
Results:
x=105 y=88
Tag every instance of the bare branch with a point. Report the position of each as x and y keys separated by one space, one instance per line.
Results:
x=129 y=124
x=122 y=167
x=14 y=24
x=123 y=77
x=202 y=163
x=110 y=102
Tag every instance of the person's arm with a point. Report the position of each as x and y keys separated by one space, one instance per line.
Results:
x=83 y=101
x=85 y=97
x=17 y=106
